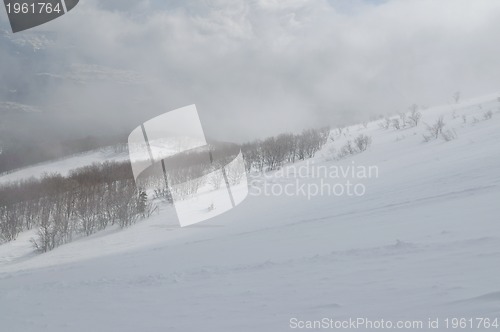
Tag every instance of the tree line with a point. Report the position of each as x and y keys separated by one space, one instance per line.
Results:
x=86 y=201
x=91 y=198
x=273 y=152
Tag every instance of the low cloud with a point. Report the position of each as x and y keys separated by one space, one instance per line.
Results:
x=267 y=66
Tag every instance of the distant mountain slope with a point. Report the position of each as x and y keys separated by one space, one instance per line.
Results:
x=65 y=164
x=422 y=242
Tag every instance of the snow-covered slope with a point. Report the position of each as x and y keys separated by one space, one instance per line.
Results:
x=422 y=242
x=64 y=165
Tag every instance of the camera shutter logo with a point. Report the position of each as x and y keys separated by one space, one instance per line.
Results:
x=156 y=142
x=27 y=14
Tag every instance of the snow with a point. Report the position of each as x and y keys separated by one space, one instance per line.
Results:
x=423 y=242
x=35 y=40
x=64 y=165
x=17 y=107
x=87 y=74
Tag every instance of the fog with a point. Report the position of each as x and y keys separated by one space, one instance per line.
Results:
x=253 y=68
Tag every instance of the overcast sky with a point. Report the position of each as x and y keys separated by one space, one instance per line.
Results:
x=260 y=67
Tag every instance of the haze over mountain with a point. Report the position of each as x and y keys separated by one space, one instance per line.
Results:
x=253 y=68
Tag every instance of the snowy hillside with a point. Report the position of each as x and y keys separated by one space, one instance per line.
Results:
x=16 y=107
x=31 y=40
x=64 y=165
x=422 y=242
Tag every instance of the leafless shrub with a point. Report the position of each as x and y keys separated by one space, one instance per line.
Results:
x=10 y=224
x=274 y=152
x=385 y=124
x=47 y=231
x=402 y=117
x=414 y=117
x=488 y=115
x=324 y=133
x=186 y=189
x=216 y=179
x=310 y=142
x=347 y=149
x=127 y=209
x=449 y=135
x=252 y=153
x=427 y=138
x=435 y=130
x=396 y=124
x=362 y=142
x=234 y=173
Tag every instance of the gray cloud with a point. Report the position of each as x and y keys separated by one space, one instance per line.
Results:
x=256 y=68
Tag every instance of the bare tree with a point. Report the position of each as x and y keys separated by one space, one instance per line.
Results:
x=415 y=115
x=273 y=153
x=324 y=133
x=347 y=149
x=385 y=124
x=87 y=211
x=234 y=173
x=488 y=115
x=362 y=142
x=216 y=178
x=10 y=224
x=435 y=130
x=402 y=117
x=312 y=142
x=47 y=231
x=127 y=208
x=396 y=124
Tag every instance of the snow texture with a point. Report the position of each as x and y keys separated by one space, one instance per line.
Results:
x=423 y=242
